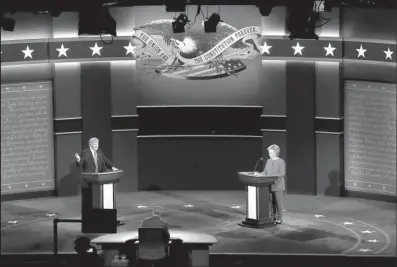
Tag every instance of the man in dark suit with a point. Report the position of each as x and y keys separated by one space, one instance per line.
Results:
x=156 y=254
x=91 y=160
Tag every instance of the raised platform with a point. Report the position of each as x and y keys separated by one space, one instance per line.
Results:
x=312 y=224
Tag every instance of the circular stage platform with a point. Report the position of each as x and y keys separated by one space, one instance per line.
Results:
x=312 y=224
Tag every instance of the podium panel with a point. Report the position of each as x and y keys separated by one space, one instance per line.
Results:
x=103 y=196
x=257 y=199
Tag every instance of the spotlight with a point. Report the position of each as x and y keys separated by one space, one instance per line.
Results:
x=212 y=22
x=265 y=7
x=302 y=20
x=96 y=20
x=178 y=26
x=7 y=24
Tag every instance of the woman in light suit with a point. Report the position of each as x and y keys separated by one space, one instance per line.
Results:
x=275 y=166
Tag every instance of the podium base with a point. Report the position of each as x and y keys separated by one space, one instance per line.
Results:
x=262 y=223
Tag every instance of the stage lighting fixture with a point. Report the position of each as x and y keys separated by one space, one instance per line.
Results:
x=212 y=22
x=7 y=24
x=302 y=20
x=96 y=20
x=178 y=26
x=265 y=7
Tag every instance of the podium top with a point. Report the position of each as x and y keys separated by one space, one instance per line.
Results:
x=102 y=177
x=256 y=179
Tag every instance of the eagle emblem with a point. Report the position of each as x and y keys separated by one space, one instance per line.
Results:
x=195 y=54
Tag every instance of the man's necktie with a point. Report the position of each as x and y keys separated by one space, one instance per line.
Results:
x=96 y=161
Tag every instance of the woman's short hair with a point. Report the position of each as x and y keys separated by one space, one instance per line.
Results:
x=275 y=148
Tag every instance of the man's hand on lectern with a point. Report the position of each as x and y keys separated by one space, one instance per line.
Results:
x=114 y=169
x=77 y=157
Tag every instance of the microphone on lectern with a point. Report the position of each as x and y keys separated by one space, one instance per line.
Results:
x=256 y=165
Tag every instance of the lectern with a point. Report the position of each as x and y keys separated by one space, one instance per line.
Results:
x=102 y=186
x=257 y=199
x=101 y=217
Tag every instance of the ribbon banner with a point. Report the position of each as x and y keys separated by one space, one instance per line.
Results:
x=243 y=34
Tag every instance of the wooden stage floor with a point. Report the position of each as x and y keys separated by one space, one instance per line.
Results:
x=312 y=224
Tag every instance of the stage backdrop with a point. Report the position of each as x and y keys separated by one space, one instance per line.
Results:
x=27 y=150
x=370 y=137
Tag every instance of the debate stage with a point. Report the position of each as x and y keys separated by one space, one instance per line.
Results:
x=312 y=224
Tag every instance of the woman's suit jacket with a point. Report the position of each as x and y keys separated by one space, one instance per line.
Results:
x=276 y=168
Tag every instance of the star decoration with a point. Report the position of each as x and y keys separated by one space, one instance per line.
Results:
x=130 y=49
x=318 y=215
x=189 y=206
x=330 y=50
x=348 y=223
x=355 y=184
x=361 y=51
x=42 y=184
x=298 y=49
x=141 y=206
x=26 y=185
x=367 y=232
x=265 y=48
x=41 y=86
x=369 y=186
x=373 y=241
x=96 y=49
x=364 y=249
x=28 y=52
x=23 y=87
x=62 y=51
x=384 y=187
x=9 y=187
x=388 y=53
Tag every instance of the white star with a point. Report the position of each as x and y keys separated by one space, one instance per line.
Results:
x=318 y=215
x=42 y=184
x=384 y=187
x=348 y=223
x=62 y=51
x=96 y=49
x=141 y=206
x=298 y=49
x=361 y=51
x=330 y=50
x=373 y=241
x=130 y=49
x=355 y=184
x=265 y=48
x=235 y=207
x=27 y=52
x=26 y=185
x=41 y=86
x=369 y=186
x=189 y=206
x=388 y=53
x=9 y=187
x=24 y=87
x=364 y=249
x=367 y=232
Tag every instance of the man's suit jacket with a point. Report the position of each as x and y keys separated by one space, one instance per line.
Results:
x=87 y=163
x=154 y=253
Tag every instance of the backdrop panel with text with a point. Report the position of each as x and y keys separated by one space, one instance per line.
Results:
x=27 y=144
x=370 y=142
